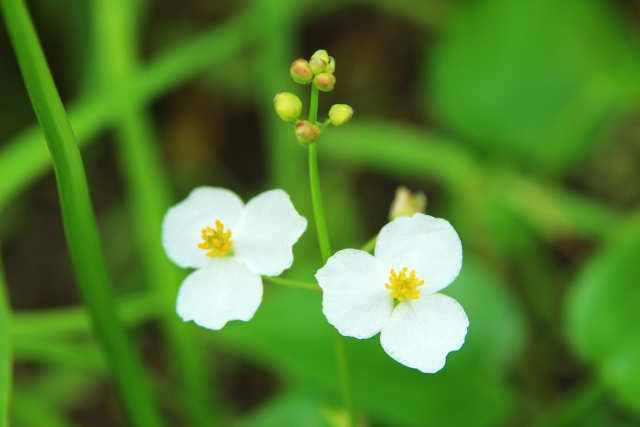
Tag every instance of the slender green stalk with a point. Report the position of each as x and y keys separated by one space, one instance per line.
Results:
x=293 y=283
x=79 y=221
x=370 y=245
x=6 y=359
x=150 y=196
x=313 y=105
x=325 y=251
x=314 y=177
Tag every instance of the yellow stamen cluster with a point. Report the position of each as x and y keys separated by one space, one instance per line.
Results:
x=218 y=240
x=403 y=286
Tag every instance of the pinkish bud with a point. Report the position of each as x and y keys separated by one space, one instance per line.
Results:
x=306 y=133
x=325 y=82
x=300 y=71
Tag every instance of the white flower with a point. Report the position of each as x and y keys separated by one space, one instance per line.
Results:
x=395 y=292
x=231 y=245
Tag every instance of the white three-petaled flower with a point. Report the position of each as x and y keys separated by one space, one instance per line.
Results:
x=231 y=245
x=395 y=292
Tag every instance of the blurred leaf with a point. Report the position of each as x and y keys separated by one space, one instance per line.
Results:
x=6 y=352
x=83 y=356
x=403 y=151
x=26 y=158
x=291 y=409
x=533 y=78
x=28 y=410
x=602 y=316
x=290 y=333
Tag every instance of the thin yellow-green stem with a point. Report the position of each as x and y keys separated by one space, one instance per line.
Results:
x=79 y=221
x=6 y=359
x=149 y=195
x=293 y=283
x=370 y=245
x=325 y=251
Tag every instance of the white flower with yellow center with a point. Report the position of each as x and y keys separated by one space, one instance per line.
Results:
x=395 y=292
x=231 y=245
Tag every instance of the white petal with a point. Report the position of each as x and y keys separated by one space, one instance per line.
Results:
x=183 y=224
x=423 y=243
x=354 y=299
x=266 y=231
x=223 y=290
x=422 y=332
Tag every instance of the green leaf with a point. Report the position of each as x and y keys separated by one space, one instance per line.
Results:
x=533 y=78
x=602 y=317
x=291 y=409
x=6 y=358
x=80 y=226
x=290 y=334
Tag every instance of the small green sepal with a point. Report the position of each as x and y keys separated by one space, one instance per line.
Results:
x=331 y=66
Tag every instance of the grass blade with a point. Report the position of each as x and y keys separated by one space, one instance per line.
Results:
x=79 y=222
x=6 y=359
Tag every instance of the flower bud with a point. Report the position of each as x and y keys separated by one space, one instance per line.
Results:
x=288 y=106
x=300 y=71
x=322 y=54
x=317 y=65
x=325 y=81
x=340 y=114
x=331 y=66
x=407 y=203
x=306 y=133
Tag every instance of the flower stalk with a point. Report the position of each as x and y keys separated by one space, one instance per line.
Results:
x=325 y=251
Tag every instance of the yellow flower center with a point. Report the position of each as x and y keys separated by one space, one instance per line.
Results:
x=403 y=286
x=217 y=241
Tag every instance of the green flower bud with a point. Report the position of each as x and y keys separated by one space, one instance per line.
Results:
x=306 y=133
x=340 y=114
x=317 y=65
x=325 y=81
x=288 y=106
x=300 y=71
x=322 y=54
x=331 y=66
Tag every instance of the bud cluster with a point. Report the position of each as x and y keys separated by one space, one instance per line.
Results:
x=319 y=70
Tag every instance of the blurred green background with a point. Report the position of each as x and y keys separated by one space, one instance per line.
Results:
x=520 y=119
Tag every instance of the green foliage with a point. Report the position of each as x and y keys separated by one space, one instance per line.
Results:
x=512 y=87
x=602 y=316
x=6 y=357
x=533 y=79
x=80 y=224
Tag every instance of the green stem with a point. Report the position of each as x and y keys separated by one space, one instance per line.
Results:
x=370 y=245
x=6 y=359
x=325 y=125
x=325 y=251
x=80 y=225
x=313 y=105
x=314 y=177
x=293 y=283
